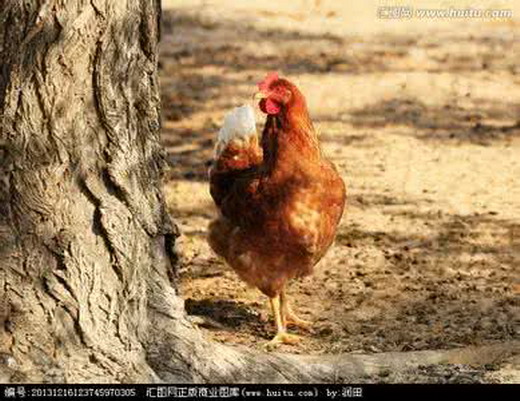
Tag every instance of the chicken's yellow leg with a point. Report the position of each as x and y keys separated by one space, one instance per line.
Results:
x=282 y=337
x=289 y=317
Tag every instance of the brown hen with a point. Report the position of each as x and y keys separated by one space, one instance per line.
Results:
x=280 y=200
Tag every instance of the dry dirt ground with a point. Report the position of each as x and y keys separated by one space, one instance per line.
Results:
x=422 y=118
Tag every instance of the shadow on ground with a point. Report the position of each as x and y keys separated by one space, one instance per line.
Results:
x=452 y=287
x=482 y=123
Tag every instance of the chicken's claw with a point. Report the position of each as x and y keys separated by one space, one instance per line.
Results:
x=289 y=317
x=295 y=321
x=282 y=338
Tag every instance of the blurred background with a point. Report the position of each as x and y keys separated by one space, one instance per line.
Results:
x=422 y=118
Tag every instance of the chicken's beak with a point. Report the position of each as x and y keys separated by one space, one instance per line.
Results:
x=259 y=96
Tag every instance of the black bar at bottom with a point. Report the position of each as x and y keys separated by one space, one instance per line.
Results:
x=254 y=391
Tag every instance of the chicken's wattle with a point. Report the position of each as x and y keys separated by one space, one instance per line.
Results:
x=269 y=106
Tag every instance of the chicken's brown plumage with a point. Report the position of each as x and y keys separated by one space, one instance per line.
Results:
x=280 y=200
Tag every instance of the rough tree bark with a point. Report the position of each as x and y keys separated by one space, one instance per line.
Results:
x=87 y=279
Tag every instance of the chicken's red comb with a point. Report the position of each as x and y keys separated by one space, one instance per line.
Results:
x=268 y=80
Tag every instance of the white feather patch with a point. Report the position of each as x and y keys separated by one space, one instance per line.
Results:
x=239 y=124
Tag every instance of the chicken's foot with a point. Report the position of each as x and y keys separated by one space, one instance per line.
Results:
x=289 y=317
x=281 y=337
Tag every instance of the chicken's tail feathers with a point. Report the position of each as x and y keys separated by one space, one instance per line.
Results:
x=239 y=126
x=237 y=145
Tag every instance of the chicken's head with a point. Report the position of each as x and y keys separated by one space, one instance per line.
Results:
x=275 y=92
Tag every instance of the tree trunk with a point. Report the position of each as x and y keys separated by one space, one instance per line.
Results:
x=87 y=279
x=83 y=225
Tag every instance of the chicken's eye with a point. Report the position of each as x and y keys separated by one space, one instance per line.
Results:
x=281 y=95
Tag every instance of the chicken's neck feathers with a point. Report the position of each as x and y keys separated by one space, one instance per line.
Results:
x=287 y=136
